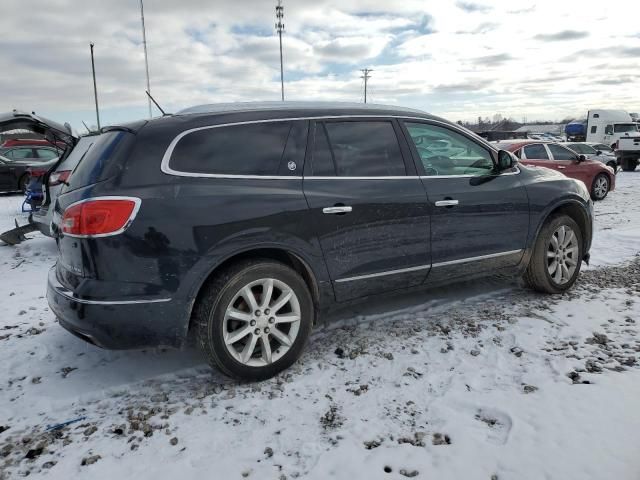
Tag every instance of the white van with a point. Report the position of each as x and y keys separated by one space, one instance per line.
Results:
x=608 y=126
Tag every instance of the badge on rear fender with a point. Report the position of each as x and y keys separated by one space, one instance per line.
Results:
x=292 y=166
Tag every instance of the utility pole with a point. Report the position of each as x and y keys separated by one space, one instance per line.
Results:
x=146 y=59
x=95 y=88
x=366 y=76
x=280 y=29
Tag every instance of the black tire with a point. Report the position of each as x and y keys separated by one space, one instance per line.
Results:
x=23 y=183
x=537 y=274
x=210 y=310
x=597 y=194
x=629 y=165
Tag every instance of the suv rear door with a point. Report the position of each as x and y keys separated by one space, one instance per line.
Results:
x=480 y=217
x=367 y=206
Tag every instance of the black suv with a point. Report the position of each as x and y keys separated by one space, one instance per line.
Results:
x=242 y=222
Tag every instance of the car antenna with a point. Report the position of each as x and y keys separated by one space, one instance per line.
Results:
x=164 y=114
x=85 y=126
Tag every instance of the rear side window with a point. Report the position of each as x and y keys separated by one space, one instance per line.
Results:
x=248 y=149
x=535 y=152
x=323 y=164
x=21 y=153
x=364 y=149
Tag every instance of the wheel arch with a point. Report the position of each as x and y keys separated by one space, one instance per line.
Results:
x=281 y=254
x=575 y=210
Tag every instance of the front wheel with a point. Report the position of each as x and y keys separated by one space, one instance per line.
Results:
x=557 y=256
x=254 y=319
x=600 y=187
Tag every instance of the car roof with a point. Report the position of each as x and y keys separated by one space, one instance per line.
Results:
x=300 y=107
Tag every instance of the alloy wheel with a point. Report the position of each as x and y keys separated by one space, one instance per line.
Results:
x=562 y=255
x=261 y=322
x=601 y=187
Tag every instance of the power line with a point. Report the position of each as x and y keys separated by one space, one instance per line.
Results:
x=365 y=76
x=146 y=59
x=280 y=29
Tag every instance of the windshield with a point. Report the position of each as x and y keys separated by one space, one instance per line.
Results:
x=625 y=127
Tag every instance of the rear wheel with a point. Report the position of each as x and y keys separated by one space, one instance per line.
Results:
x=600 y=186
x=629 y=164
x=557 y=256
x=254 y=319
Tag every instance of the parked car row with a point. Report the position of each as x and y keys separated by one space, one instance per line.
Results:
x=599 y=178
x=243 y=223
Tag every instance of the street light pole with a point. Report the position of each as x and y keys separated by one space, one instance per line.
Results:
x=146 y=59
x=280 y=29
x=95 y=88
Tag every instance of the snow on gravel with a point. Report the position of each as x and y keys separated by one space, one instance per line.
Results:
x=483 y=381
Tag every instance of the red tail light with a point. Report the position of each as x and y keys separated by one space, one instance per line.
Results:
x=34 y=172
x=100 y=216
x=56 y=178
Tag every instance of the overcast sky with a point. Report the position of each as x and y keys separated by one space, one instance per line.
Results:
x=458 y=59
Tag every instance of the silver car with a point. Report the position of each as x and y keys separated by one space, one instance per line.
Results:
x=591 y=152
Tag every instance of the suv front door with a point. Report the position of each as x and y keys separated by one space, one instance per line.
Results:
x=367 y=207
x=480 y=217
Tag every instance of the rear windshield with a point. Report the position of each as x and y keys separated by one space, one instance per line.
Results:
x=625 y=127
x=94 y=159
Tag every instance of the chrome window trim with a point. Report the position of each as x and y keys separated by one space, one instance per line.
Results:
x=434 y=265
x=165 y=168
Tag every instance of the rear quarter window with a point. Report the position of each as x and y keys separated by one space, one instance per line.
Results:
x=95 y=161
x=268 y=148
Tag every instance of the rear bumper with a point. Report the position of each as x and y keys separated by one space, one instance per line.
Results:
x=118 y=324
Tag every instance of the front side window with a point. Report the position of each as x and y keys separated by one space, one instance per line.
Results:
x=561 y=153
x=603 y=148
x=248 y=149
x=581 y=148
x=536 y=152
x=445 y=152
x=608 y=130
x=363 y=149
x=46 y=154
x=625 y=127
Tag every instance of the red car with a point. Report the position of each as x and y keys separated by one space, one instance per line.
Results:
x=599 y=178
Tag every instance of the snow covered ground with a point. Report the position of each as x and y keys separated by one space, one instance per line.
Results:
x=483 y=381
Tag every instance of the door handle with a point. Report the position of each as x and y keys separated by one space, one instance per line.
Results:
x=447 y=203
x=560 y=167
x=338 y=209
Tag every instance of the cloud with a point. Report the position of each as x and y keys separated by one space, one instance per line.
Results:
x=493 y=60
x=562 y=36
x=472 y=6
x=440 y=57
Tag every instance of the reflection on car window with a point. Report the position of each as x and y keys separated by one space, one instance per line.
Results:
x=536 y=151
x=365 y=149
x=445 y=152
x=561 y=153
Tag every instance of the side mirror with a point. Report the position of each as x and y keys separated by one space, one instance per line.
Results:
x=506 y=160
x=598 y=152
x=581 y=158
